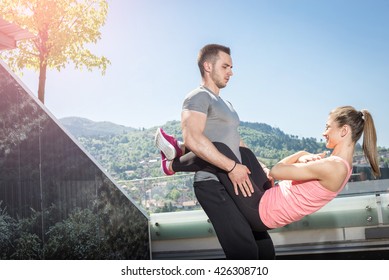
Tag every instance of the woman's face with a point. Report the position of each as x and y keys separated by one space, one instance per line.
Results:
x=332 y=132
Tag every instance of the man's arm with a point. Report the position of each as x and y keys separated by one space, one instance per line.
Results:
x=193 y=125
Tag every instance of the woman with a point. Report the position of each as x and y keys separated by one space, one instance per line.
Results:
x=308 y=181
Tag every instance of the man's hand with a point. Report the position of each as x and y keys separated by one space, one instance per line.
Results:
x=239 y=177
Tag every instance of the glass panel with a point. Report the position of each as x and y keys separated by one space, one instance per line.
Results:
x=340 y=213
x=366 y=187
x=59 y=200
x=163 y=194
x=188 y=224
x=385 y=208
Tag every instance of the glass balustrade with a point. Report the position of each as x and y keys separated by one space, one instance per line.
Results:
x=55 y=200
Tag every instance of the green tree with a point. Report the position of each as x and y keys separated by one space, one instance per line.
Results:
x=174 y=194
x=63 y=30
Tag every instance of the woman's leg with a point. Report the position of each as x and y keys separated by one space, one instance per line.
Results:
x=264 y=242
x=247 y=205
x=258 y=175
x=189 y=162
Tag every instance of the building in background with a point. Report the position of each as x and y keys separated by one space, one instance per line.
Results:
x=11 y=33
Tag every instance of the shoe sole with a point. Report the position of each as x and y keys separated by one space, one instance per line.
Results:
x=164 y=145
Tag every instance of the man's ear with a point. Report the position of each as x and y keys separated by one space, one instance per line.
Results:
x=207 y=66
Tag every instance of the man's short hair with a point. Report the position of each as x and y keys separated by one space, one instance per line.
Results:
x=210 y=53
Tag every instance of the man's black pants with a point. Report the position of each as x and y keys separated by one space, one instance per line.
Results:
x=233 y=230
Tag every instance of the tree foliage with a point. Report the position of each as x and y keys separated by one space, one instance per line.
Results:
x=63 y=29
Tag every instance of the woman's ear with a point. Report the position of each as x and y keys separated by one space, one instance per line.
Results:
x=345 y=130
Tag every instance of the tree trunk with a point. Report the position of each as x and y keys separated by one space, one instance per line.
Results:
x=42 y=81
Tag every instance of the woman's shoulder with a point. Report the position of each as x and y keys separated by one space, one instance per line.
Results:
x=338 y=161
x=336 y=171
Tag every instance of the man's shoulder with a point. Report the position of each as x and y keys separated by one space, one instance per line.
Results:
x=198 y=100
x=199 y=92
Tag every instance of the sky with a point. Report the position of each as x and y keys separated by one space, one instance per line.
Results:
x=293 y=61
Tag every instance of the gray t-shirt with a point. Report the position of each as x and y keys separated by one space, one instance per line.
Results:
x=222 y=122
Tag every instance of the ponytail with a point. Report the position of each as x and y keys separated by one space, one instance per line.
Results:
x=369 y=144
x=361 y=122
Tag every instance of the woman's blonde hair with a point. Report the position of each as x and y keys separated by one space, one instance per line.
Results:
x=360 y=122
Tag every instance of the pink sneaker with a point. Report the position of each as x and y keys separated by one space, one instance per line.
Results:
x=167 y=144
x=165 y=165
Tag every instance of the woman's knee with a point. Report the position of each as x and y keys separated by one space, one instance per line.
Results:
x=225 y=150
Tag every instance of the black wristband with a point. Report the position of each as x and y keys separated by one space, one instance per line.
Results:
x=232 y=168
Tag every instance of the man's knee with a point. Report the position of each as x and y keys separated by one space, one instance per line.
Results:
x=236 y=239
x=232 y=229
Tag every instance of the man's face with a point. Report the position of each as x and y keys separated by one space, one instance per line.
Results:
x=221 y=70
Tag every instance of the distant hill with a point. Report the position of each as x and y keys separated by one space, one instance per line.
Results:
x=87 y=128
x=129 y=153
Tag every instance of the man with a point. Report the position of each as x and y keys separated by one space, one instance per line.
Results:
x=207 y=118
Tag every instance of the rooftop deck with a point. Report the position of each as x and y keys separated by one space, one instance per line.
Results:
x=355 y=224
